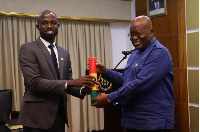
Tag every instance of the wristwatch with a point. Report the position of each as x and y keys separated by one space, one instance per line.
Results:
x=82 y=91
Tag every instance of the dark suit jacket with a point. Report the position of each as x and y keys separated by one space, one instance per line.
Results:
x=152 y=6
x=42 y=89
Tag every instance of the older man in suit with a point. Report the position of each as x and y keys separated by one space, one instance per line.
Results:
x=47 y=72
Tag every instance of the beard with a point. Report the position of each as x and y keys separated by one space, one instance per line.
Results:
x=48 y=37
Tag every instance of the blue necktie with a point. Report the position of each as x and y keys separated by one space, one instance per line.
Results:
x=53 y=56
x=157 y=6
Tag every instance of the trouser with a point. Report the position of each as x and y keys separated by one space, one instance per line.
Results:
x=58 y=125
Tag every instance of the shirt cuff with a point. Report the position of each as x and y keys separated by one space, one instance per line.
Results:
x=112 y=97
x=66 y=85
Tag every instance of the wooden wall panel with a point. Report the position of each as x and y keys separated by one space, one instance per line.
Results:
x=194 y=119
x=193 y=49
x=170 y=30
x=193 y=86
x=181 y=16
x=182 y=50
x=167 y=25
x=172 y=47
x=182 y=33
x=181 y=118
x=180 y=85
x=141 y=7
x=192 y=14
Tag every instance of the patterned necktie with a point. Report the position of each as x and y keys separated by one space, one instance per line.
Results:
x=53 y=56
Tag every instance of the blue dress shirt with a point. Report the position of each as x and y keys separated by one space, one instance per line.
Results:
x=146 y=95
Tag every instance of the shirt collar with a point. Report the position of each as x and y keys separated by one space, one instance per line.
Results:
x=47 y=43
x=156 y=2
x=152 y=43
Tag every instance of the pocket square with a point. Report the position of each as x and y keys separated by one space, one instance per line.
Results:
x=62 y=59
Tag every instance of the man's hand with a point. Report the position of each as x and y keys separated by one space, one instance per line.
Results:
x=101 y=101
x=87 y=81
x=101 y=68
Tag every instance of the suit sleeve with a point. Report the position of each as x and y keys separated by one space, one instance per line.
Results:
x=31 y=63
x=155 y=68
x=74 y=91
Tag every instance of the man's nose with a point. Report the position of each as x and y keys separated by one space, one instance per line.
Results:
x=49 y=24
x=135 y=37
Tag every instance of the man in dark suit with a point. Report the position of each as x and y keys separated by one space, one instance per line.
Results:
x=155 y=4
x=48 y=79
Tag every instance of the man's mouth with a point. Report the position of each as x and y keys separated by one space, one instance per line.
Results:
x=49 y=31
x=136 y=43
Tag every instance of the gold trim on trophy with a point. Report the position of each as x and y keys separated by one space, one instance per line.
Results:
x=104 y=84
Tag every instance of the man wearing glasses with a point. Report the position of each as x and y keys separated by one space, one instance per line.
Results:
x=146 y=93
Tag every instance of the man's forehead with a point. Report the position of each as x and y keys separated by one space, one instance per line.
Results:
x=47 y=17
x=137 y=26
x=45 y=14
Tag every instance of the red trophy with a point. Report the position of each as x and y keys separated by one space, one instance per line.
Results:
x=93 y=72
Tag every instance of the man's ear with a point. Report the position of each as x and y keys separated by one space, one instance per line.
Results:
x=37 y=26
x=58 y=25
x=152 y=29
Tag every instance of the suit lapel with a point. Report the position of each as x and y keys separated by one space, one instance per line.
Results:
x=47 y=56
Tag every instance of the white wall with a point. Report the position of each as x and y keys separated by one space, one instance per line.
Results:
x=120 y=40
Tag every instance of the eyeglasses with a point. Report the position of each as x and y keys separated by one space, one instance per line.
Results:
x=131 y=35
